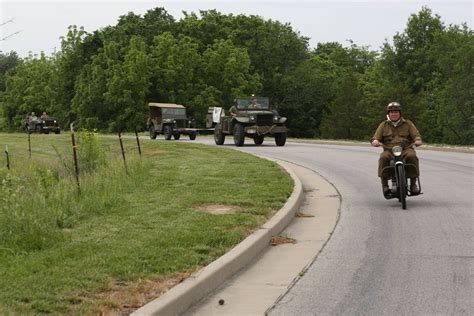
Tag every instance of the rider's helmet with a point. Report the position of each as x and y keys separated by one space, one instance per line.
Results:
x=394 y=106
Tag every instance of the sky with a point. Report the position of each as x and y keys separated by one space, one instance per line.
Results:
x=37 y=25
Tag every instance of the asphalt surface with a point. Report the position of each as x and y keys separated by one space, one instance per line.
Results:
x=380 y=259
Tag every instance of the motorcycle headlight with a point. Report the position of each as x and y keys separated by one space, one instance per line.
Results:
x=397 y=151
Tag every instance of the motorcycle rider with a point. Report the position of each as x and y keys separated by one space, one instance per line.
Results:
x=393 y=132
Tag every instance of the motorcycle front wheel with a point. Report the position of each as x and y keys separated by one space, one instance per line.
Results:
x=402 y=186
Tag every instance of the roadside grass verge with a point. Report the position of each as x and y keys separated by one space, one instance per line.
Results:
x=125 y=238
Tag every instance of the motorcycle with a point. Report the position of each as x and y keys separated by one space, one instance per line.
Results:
x=397 y=169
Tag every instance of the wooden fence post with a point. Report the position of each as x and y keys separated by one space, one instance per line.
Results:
x=8 y=158
x=123 y=152
x=74 y=154
x=29 y=143
x=138 y=143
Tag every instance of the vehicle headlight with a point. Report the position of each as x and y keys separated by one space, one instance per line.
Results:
x=55 y=121
x=397 y=151
x=252 y=118
x=275 y=118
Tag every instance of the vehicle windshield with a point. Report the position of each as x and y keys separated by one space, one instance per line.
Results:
x=253 y=103
x=173 y=112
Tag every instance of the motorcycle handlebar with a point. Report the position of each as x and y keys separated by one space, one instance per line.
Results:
x=403 y=145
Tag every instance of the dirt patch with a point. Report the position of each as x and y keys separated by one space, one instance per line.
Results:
x=280 y=240
x=218 y=209
x=123 y=299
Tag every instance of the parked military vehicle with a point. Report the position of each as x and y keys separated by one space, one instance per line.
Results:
x=42 y=125
x=170 y=120
x=249 y=117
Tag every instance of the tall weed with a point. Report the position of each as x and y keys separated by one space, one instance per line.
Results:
x=38 y=205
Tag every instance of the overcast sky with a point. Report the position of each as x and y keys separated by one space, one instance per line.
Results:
x=37 y=25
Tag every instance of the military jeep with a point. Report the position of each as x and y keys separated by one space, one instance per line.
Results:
x=250 y=117
x=170 y=120
x=42 y=125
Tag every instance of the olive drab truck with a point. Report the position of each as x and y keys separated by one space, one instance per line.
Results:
x=170 y=120
x=249 y=117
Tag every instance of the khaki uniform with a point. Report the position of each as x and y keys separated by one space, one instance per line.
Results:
x=233 y=110
x=391 y=135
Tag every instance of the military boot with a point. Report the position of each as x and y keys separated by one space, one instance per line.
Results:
x=385 y=187
x=414 y=190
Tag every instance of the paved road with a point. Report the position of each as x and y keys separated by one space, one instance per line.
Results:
x=382 y=259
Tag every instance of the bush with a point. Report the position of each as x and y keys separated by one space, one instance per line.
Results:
x=91 y=156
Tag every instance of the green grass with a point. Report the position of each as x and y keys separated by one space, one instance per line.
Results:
x=67 y=253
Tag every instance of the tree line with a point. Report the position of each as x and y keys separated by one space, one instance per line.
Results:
x=104 y=80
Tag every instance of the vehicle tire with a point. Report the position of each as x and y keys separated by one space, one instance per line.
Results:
x=46 y=132
x=219 y=137
x=168 y=132
x=177 y=136
x=152 y=132
x=402 y=186
x=57 y=132
x=239 y=134
x=258 y=140
x=192 y=136
x=280 y=139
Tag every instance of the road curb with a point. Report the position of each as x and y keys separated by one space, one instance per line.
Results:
x=181 y=297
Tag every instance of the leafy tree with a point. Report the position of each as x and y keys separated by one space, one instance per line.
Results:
x=448 y=99
x=89 y=102
x=128 y=86
x=342 y=119
x=274 y=49
x=175 y=65
x=8 y=62
x=68 y=65
x=28 y=90
x=309 y=91
x=410 y=55
x=228 y=68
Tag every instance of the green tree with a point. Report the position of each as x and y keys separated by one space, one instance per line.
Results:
x=342 y=118
x=228 y=68
x=68 y=62
x=89 y=102
x=128 y=86
x=29 y=89
x=448 y=100
x=175 y=64
x=409 y=57
x=309 y=89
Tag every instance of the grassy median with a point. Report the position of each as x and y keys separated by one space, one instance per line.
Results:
x=124 y=237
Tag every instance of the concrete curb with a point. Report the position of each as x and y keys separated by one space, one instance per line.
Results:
x=181 y=297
